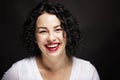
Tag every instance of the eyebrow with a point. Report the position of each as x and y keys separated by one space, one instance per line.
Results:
x=57 y=26
x=46 y=28
x=41 y=28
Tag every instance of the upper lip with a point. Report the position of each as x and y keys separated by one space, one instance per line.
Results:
x=53 y=43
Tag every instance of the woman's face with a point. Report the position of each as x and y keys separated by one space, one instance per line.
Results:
x=50 y=37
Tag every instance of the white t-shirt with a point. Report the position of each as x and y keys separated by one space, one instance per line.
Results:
x=27 y=69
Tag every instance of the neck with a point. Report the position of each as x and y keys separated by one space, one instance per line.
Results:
x=54 y=64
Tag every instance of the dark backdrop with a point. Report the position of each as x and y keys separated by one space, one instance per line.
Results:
x=99 y=24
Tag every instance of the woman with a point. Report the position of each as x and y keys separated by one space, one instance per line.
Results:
x=52 y=35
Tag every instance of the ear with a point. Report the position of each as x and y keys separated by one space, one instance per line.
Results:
x=64 y=34
x=35 y=41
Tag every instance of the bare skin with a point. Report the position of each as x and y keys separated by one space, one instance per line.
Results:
x=59 y=70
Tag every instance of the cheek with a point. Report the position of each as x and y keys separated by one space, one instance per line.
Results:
x=62 y=37
x=40 y=39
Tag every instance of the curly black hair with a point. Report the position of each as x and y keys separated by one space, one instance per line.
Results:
x=68 y=23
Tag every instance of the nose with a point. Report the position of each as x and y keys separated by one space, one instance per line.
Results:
x=51 y=37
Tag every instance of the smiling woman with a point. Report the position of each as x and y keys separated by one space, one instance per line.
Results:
x=52 y=35
x=50 y=38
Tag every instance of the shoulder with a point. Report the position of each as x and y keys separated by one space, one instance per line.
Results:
x=81 y=62
x=13 y=72
x=85 y=68
x=25 y=61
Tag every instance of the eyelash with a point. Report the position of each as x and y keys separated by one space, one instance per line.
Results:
x=42 y=32
x=58 y=29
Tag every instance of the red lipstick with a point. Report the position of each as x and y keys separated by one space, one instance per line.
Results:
x=52 y=47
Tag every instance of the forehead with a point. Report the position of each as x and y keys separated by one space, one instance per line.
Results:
x=46 y=19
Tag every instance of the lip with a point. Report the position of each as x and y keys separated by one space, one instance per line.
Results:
x=52 y=49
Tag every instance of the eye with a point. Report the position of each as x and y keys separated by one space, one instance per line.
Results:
x=43 y=32
x=59 y=30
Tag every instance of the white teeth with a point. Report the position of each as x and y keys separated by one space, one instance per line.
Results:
x=54 y=45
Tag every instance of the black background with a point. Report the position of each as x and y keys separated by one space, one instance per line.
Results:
x=99 y=23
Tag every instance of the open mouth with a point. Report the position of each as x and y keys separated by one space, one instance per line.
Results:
x=52 y=46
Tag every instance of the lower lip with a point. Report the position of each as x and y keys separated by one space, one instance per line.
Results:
x=53 y=49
